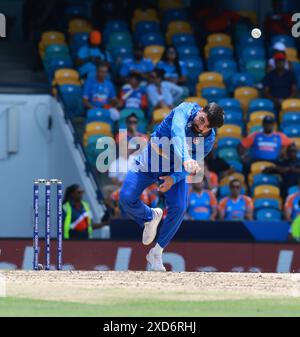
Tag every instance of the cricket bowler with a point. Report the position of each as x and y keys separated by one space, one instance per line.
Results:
x=188 y=121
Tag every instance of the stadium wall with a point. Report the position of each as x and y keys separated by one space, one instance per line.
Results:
x=183 y=256
x=35 y=142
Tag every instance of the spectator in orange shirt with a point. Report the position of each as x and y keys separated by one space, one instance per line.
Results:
x=236 y=206
x=211 y=179
x=265 y=145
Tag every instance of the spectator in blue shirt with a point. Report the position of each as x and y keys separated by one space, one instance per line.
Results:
x=162 y=94
x=138 y=64
x=99 y=92
x=280 y=84
x=174 y=70
x=91 y=55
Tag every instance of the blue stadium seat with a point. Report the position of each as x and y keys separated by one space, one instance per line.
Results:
x=251 y=53
x=75 y=11
x=228 y=154
x=257 y=68
x=260 y=104
x=188 y=52
x=213 y=94
x=227 y=142
x=230 y=104
x=180 y=40
x=237 y=165
x=150 y=39
x=56 y=64
x=290 y=118
x=233 y=117
x=118 y=39
x=241 y=80
x=217 y=54
x=56 y=49
x=121 y=52
x=98 y=115
x=144 y=27
x=287 y=40
x=248 y=41
x=116 y=26
x=292 y=130
x=265 y=179
x=268 y=214
x=78 y=40
x=227 y=68
x=266 y=203
x=72 y=98
x=174 y=15
x=194 y=67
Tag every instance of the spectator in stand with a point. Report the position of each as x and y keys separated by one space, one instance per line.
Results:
x=280 y=84
x=265 y=145
x=100 y=92
x=77 y=218
x=92 y=55
x=202 y=203
x=291 y=207
x=278 y=47
x=138 y=65
x=162 y=94
x=132 y=122
x=211 y=179
x=236 y=206
x=288 y=168
x=174 y=70
x=218 y=165
x=132 y=94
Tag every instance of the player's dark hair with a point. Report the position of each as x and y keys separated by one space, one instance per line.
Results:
x=137 y=76
x=233 y=181
x=215 y=115
x=159 y=72
x=69 y=191
x=177 y=64
x=130 y=116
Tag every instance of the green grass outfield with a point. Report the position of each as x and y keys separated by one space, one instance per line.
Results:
x=263 y=307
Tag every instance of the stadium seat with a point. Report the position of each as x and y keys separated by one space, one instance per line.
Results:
x=63 y=75
x=121 y=53
x=160 y=114
x=287 y=40
x=209 y=79
x=228 y=154
x=119 y=38
x=72 y=98
x=78 y=40
x=176 y=27
x=257 y=69
x=245 y=95
x=213 y=94
x=52 y=37
x=194 y=68
x=79 y=26
x=144 y=27
x=233 y=117
x=127 y=112
x=150 y=39
x=292 y=130
x=292 y=55
x=188 y=52
x=261 y=203
x=236 y=165
x=261 y=104
x=241 y=80
x=268 y=214
x=199 y=100
x=257 y=117
x=154 y=53
x=290 y=118
x=230 y=104
x=228 y=130
x=57 y=64
x=266 y=191
x=266 y=179
x=291 y=104
x=259 y=166
x=253 y=54
x=95 y=128
x=174 y=15
x=144 y=16
x=248 y=41
x=181 y=39
x=98 y=115
x=227 y=68
x=228 y=142
x=218 y=39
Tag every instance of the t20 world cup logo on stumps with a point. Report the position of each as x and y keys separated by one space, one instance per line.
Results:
x=2 y=25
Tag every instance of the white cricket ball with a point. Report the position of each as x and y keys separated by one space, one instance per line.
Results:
x=256 y=33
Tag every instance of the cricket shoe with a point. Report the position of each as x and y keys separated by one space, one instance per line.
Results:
x=155 y=261
x=150 y=228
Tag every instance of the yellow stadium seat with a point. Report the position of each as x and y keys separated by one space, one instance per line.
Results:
x=259 y=166
x=211 y=76
x=66 y=74
x=291 y=104
x=267 y=191
x=218 y=39
x=245 y=95
x=154 y=53
x=252 y=126
x=176 y=27
x=149 y=13
x=160 y=114
x=52 y=37
x=208 y=84
x=226 y=180
x=199 y=100
x=258 y=116
x=230 y=130
x=250 y=15
x=292 y=54
x=79 y=26
x=95 y=128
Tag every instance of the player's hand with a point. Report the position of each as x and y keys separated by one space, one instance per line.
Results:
x=191 y=166
x=167 y=184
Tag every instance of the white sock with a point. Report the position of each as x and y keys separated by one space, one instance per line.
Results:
x=158 y=250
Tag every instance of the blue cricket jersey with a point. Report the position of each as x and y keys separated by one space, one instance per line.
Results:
x=179 y=124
